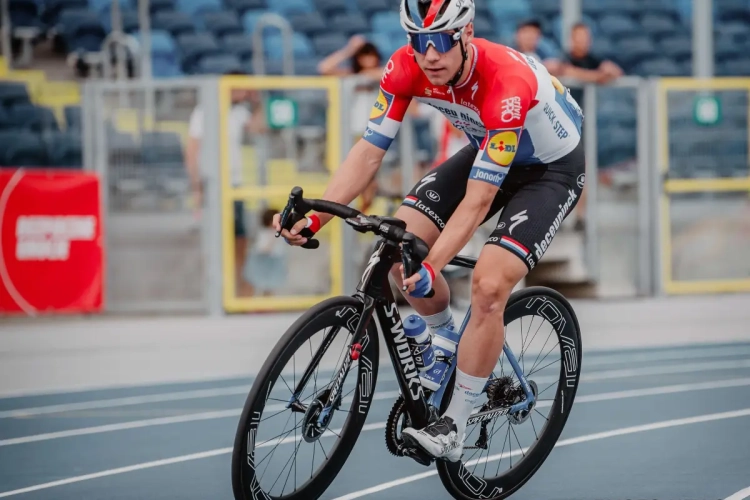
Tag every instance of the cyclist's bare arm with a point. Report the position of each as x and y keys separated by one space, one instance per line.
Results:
x=349 y=181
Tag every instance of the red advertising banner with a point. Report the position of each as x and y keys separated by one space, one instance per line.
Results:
x=51 y=242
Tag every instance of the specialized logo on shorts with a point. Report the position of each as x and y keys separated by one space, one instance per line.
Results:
x=431 y=177
x=432 y=195
x=380 y=108
x=502 y=146
x=518 y=219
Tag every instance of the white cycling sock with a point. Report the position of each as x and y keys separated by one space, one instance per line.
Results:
x=466 y=390
x=443 y=319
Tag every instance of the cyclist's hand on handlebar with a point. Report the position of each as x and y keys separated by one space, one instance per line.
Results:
x=294 y=236
x=419 y=283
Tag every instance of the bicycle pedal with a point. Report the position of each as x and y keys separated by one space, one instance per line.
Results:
x=419 y=456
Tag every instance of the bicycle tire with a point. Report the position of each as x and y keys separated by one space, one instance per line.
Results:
x=456 y=478
x=325 y=314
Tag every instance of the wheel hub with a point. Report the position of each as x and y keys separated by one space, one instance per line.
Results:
x=523 y=415
x=313 y=426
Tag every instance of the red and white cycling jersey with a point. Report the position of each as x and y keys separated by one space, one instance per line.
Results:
x=511 y=109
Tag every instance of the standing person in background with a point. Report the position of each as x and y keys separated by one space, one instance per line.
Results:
x=266 y=267
x=585 y=67
x=365 y=60
x=240 y=119
x=528 y=34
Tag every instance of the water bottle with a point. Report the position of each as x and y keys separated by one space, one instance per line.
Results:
x=419 y=337
x=444 y=344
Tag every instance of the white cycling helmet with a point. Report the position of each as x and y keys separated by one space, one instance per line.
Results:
x=432 y=16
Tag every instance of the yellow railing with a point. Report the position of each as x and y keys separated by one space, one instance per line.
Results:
x=278 y=193
x=700 y=231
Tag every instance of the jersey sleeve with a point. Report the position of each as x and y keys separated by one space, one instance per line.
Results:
x=393 y=99
x=504 y=115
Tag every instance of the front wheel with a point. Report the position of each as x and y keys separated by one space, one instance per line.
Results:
x=501 y=455
x=296 y=431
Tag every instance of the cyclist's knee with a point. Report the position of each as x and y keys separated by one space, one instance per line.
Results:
x=493 y=281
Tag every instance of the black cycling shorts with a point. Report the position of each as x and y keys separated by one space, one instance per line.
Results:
x=534 y=199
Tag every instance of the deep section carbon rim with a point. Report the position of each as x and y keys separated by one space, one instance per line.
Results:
x=502 y=453
x=294 y=451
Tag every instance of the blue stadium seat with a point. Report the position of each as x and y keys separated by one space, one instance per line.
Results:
x=73 y=118
x=22 y=149
x=13 y=93
x=509 y=11
x=250 y=19
x=598 y=8
x=659 y=66
x=241 y=45
x=25 y=14
x=725 y=48
x=678 y=47
x=734 y=67
x=545 y=7
x=483 y=28
x=386 y=44
x=370 y=7
x=164 y=55
x=81 y=30
x=102 y=6
x=327 y=44
x=309 y=24
x=5 y=121
x=53 y=8
x=387 y=22
x=195 y=8
x=274 y=47
x=307 y=66
x=352 y=23
x=219 y=64
x=634 y=49
x=130 y=21
x=737 y=31
x=618 y=26
x=330 y=8
x=64 y=149
x=242 y=6
x=194 y=47
x=732 y=10
x=173 y=22
x=603 y=48
x=658 y=25
x=37 y=119
x=222 y=23
x=156 y=6
x=289 y=7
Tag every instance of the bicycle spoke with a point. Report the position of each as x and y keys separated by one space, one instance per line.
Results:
x=545 y=418
x=519 y=442
x=543 y=367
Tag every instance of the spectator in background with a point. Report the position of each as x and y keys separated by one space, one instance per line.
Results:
x=365 y=60
x=583 y=66
x=240 y=119
x=266 y=267
x=528 y=34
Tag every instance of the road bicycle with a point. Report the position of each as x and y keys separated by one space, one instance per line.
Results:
x=300 y=381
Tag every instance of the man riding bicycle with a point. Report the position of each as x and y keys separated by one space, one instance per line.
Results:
x=525 y=159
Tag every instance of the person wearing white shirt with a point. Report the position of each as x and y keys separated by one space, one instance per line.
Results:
x=240 y=119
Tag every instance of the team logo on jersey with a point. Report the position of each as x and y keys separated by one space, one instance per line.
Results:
x=502 y=146
x=380 y=108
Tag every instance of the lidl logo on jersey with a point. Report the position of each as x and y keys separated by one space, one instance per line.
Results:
x=502 y=147
x=380 y=108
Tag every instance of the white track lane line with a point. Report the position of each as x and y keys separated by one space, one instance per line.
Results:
x=565 y=442
x=137 y=424
x=740 y=495
x=390 y=377
x=221 y=451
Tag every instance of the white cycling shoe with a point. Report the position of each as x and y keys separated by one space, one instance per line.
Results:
x=439 y=439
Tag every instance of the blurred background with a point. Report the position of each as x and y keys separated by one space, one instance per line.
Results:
x=194 y=118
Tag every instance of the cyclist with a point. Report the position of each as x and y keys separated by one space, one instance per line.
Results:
x=525 y=159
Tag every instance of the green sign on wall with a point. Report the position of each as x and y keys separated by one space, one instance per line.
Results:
x=707 y=110
x=281 y=113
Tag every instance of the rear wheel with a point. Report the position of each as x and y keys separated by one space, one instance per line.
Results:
x=500 y=455
x=293 y=448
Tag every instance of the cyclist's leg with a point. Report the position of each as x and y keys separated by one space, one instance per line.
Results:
x=541 y=197
x=426 y=210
